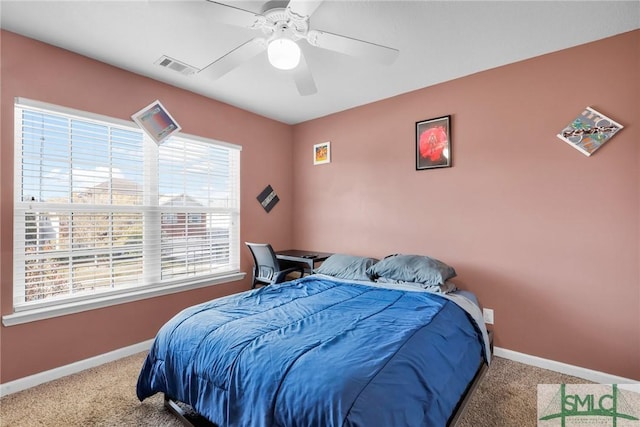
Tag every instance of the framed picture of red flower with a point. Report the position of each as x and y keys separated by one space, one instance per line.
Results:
x=433 y=143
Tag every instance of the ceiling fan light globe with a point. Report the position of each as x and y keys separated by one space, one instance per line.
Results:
x=283 y=53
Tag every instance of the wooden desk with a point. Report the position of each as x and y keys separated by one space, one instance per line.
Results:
x=297 y=257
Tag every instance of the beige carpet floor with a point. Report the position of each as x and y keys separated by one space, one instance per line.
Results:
x=105 y=396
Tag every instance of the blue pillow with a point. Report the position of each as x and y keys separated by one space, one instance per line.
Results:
x=349 y=267
x=412 y=268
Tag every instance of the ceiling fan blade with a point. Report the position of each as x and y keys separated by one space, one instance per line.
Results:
x=235 y=16
x=353 y=47
x=236 y=57
x=303 y=78
x=303 y=8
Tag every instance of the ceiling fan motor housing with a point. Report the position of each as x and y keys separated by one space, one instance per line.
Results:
x=282 y=22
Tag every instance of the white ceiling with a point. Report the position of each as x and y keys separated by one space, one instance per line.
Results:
x=438 y=41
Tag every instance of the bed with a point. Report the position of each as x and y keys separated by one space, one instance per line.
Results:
x=324 y=350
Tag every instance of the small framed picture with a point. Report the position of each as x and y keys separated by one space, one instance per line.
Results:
x=589 y=131
x=156 y=121
x=433 y=143
x=268 y=198
x=322 y=153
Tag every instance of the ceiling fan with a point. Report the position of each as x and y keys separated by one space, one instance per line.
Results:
x=282 y=28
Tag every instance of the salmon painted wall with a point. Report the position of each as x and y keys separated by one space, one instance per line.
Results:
x=42 y=72
x=547 y=237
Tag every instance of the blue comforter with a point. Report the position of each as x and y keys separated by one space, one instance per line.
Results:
x=317 y=352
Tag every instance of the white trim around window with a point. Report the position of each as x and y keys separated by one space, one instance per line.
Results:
x=42 y=313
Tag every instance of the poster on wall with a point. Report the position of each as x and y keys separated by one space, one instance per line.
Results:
x=589 y=131
x=156 y=122
x=433 y=143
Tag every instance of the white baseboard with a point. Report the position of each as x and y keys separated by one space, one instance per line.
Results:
x=563 y=368
x=73 y=368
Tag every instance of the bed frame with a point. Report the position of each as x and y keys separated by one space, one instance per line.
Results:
x=175 y=409
x=466 y=397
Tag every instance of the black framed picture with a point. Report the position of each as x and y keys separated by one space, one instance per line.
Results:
x=268 y=198
x=433 y=143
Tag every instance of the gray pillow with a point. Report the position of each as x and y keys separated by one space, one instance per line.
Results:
x=412 y=268
x=349 y=267
x=447 y=288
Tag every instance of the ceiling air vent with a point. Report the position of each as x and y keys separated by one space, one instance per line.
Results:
x=178 y=66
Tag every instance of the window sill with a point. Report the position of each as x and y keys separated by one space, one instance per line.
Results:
x=36 y=314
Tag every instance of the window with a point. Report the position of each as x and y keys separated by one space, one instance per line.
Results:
x=101 y=209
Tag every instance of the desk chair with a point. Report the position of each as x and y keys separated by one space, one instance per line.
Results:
x=266 y=267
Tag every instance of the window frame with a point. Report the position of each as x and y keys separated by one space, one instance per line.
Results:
x=48 y=308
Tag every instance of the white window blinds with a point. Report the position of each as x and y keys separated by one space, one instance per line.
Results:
x=199 y=208
x=99 y=207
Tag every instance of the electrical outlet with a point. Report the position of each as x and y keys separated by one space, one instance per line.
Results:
x=487 y=313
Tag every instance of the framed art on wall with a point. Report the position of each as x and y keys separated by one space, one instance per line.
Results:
x=433 y=143
x=322 y=153
x=268 y=198
x=156 y=121
x=589 y=131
